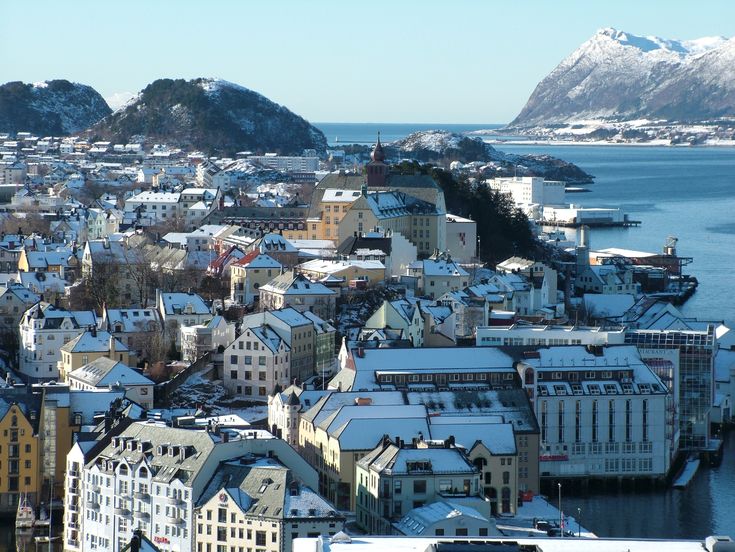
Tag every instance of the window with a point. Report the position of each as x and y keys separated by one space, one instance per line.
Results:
x=233 y=359
x=419 y=486
x=397 y=486
x=260 y=538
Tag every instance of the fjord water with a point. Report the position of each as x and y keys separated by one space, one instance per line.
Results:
x=687 y=192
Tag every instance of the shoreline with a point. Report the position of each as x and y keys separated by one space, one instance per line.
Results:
x=653 y=143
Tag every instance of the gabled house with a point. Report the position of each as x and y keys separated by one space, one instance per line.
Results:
x=297 y=291
x=180 y=309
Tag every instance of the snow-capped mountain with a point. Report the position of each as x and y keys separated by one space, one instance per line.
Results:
x=441 y=146
x=211 y=115
x=50 y=108
x=621 y=76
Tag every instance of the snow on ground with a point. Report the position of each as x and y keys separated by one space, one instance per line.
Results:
x=211 y=396
x=541 y=509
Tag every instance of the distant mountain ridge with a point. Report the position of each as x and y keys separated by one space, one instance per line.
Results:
x=211 y=115
x=620 y=76
x=431 y=146
x=50 y=108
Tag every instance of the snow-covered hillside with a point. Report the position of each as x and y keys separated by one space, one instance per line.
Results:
x=50 y=108
x=443 y=146
x=211 y=115
x=618 y=75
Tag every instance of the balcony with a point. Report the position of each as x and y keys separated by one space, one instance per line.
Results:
x=174 y=500
x=121 y=511
x=93 y=505
x=174 y=519
x=145 y=497
x=143 y=516
x=95 y=488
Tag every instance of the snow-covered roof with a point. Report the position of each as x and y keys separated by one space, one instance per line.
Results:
x=103 y=372
x=95 y=341
x=155 y=197
x=600 y=305
x=498 y=438
x=179 y=303
x=290 y=284
x=417 y=521
x=333 y=195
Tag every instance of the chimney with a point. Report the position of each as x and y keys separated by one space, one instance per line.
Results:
x=112 y=347
x=93 y=329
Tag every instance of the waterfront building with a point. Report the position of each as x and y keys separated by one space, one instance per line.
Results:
x=151 y=477
x=344 y=543
x=529 y=190
x=685 y=361
x=602 y=412
x=20 y=455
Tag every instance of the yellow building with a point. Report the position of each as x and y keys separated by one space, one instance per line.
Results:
x=419 y=221
x=328 y=212
x=20 y=451
x=89 y=346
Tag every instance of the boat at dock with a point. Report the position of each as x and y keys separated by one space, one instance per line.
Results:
x=25 y=517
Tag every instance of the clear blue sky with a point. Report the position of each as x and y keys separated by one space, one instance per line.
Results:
x=457 y=61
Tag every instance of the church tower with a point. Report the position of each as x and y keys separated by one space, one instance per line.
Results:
x=377 y=170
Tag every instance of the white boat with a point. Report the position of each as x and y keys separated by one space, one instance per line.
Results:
x=25 y=518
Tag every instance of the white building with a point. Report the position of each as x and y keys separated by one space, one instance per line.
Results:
x=44 y=329
x=530 y=190
x=257 y=361
x=287 y=163
x=525 y=335
x=461 y=238
x=159 y=207
x=151 y=477
x=602 y=412
x=438 y=275
x=179 y=309
x=200 y=339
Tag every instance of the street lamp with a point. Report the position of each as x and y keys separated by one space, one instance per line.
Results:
x=561 y=516
x=579 y=521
